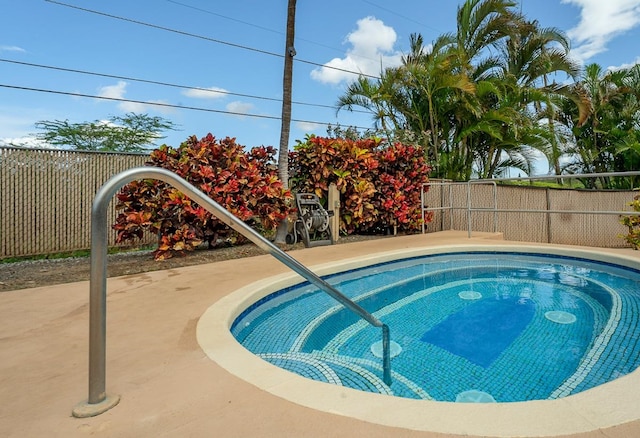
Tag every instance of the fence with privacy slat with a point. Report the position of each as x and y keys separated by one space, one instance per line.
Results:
x=46 y=197
x=533 y=212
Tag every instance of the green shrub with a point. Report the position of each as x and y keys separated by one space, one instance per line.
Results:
x=633 y=224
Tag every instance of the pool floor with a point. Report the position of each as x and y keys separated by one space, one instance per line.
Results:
x=466 y=329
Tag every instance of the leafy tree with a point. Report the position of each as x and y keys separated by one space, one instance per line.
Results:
x=129 y=133
x=349 y=133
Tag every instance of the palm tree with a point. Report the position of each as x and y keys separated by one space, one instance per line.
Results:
x=593 y=147
x=384 y=98
x=481 y=24
x=285 y=126
x=627 y=146
x=408 y=97
x=475 y=98
x=530 y=56
x=608 y=140
x=433 y=77
x=482 y=121
x=287 y=79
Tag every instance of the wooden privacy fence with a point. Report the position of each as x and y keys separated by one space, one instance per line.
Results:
x=46 y=197
x=450 y=203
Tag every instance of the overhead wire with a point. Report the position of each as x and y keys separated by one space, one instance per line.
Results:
x=189 y=34
x=166 y=84
x=246 y=23
x=161 y=104
x=396 y=13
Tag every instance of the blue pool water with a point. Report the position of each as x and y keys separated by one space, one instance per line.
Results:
x=467 y=327
x=481 y=331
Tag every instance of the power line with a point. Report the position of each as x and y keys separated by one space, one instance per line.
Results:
x=224 y=16
x=180 y=32
x=164 y=105
x=398 y=15
x=166 y=84
x=246 y=23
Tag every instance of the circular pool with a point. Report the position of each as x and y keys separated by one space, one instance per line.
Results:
x=470 y=325
x=465 y=326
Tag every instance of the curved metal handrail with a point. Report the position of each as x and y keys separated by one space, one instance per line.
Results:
x=98 y=401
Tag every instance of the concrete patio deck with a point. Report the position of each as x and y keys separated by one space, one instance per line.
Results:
x=168 y=385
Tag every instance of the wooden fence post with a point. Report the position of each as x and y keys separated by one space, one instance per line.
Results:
x=334 y=205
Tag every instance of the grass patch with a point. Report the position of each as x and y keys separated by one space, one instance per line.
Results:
x=81 y=253
x=551 y=184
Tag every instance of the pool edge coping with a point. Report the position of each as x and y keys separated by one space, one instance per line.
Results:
x=605 y=406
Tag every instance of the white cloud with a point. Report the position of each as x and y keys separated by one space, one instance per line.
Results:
x=600 y=22
x=371 y=51
x=206 y=93
x=26 y=142
x=624 y=66
x=119 y=90
x=309 y=126
x=132 y=107
x=239 y=107
x=11 y=49
x=113 y=91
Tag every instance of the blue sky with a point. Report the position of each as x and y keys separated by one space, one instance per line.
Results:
x=229 y=47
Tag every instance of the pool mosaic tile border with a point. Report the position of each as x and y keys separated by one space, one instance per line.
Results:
x=591 y=358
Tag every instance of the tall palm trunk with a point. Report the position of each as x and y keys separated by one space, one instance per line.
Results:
x=434 y=134
x=287 y=79
x=285 y=127
x=555 y=149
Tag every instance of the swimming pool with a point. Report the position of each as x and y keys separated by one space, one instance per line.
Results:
x=604 y=406
x=465 y=327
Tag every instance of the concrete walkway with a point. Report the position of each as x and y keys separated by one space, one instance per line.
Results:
x=168 y=386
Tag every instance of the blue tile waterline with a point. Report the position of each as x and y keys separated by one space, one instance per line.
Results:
x=425 y=292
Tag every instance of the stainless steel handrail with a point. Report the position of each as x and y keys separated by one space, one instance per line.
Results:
x=98 y=401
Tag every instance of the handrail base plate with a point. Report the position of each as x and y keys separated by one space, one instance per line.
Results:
x=86 y=409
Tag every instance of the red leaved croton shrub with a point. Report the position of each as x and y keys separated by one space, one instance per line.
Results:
x=350 y=164
x=402 y=171
x=245 y=183
x=379 y=186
